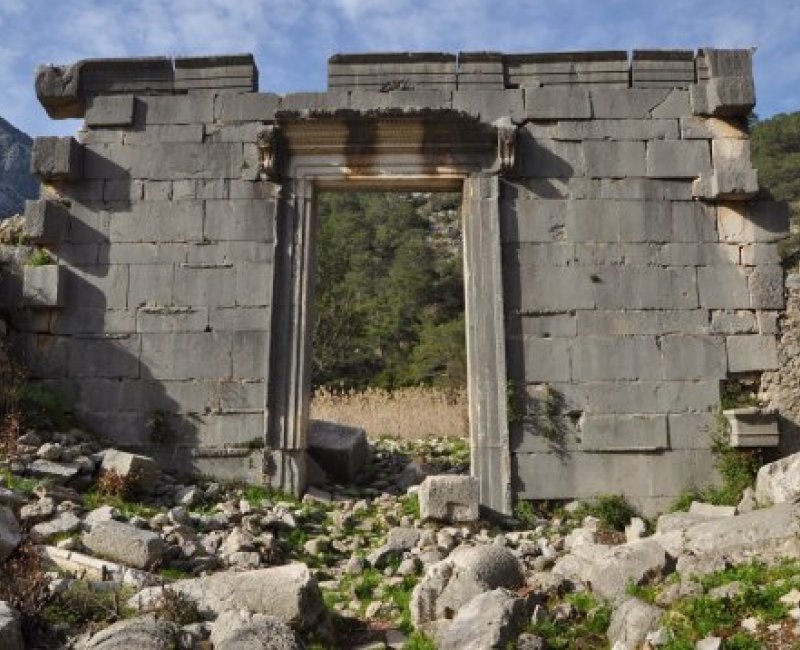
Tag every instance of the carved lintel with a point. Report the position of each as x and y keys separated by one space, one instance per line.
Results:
x=267 y=143
x=506 y=145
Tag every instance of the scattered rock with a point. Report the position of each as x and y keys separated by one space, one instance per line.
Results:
x=779 y=482
x=289 y=593
x=710 y=510
x=631 y=621
x=124 y=543
x=140 y=632
x=398 y=542
x=56 y=472
x=635 y=529
x=142 y=471
x=236 y=630
x=609 y=569
x=449 y=498
x=489 y=620
x=65 y=522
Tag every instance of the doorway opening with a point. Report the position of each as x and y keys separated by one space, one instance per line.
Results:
x=389 y=353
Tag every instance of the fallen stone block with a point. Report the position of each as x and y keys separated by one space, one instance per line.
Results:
x=242 y=631
x=490 y=620
x=97 y=569
x=124 y=543
x=338 y=449
x=140 y=632
x=9 y=532
x=449 y=498
x=630 y=623
x=56 y=472
x=609 y=569
x=450 y=584
x=779 y=482
x=141 y=470
x=10 y=628
x=65 y=522
x=289 y=593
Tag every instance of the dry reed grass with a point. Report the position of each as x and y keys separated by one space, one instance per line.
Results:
x=409 y=413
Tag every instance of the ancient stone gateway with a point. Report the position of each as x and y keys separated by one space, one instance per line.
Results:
x=617 y=269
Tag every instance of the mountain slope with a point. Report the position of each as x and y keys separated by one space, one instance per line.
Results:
x=16 y=182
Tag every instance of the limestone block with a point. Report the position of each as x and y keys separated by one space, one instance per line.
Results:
x=677 y=158
x=340 y=450
x=237 y=629
x=249 y=353
x=56 y=159
x=187 y=355
x=490 y=105
x=158 y=222
x=766 y=287
x=615 y=159
x=690 y=430
x=539 y=157
x=176 y=109
x=126 y=544
x=113 y=357
x=205 y=285
x=624 y=433
x=725 y=85
x=693 y=222
x=155 y=133
x=449 y=498
x=630 y=623
x=141 y=470
x=602 y=358
x=723 y=287
x=764 y=222
x=693 y=357
x=733 y=322
x=139 y=632
x=44 y=286
x=760 y=254
x=552 y=290
x=644 y=287
x=46 y=221
x=109 y=111
x=315 y=102
x=708 y=128
x=545 y=359
x=752 y=352
x=557 y=103
x=240 y=220
x=289 y=593
x=753 y=427
x=633 y=103
x=246 y=107
x=490 y=620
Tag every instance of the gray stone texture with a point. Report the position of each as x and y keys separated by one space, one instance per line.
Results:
x=449 y=498
x=338 y=449
x=57 y=159
x=126 y=544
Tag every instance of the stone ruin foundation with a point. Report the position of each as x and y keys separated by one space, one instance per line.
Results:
x=619 y=268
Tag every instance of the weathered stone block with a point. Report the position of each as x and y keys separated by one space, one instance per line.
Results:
x=693 y=357
x=752 y=352
x=644 y=287
x=707 y=128
x=110 y=110
x=723 y=287
x=677 y=158
x=557 y=103
x=249 y=353
x=197 y=108
x=44 y=286
x=239 y=220
x=548 y=158
x=490 y=105
x=693 y=222
x=624 y=433
x=105 y=357
x=246 y=107
x=753 y=427
x=142 y=471
x=628 y=103
x=191 y=355
x=615 y=159
x=126 y=544
x=766 y=287
x=449 y=498
x=733 y=322
x=56 y=159
x=339 y=449
x=46 y=221
x=545 y=359
x=600 y=358
x=150 y=284
x=206 y=285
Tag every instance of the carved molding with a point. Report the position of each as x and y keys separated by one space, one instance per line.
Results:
x=506 y=145
x=267 y=143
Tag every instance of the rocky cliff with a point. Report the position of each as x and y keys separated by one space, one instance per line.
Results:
x=16 y=182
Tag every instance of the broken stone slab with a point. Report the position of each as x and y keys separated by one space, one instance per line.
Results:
x=140 y=632
x=779 y=482
x=9 y=532
x=449 y=498
x=65 y=522
x=490 y=620
x=97 y=569
x=398 y=542
x=289 y=593
x=468 y=571
x=141 y=470
x=57 y=472
x=610 y=569
x=10 y=628
x=631 y=621
x=340 y=450
x=236 y=630
x=124 y=543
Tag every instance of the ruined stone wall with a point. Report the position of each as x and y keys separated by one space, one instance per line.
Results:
x=638 y=270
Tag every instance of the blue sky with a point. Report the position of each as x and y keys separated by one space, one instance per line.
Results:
x=292 y=39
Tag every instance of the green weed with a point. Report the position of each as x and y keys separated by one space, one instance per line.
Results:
x=613 y=511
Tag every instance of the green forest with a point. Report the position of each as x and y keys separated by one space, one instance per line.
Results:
x=389 y=293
